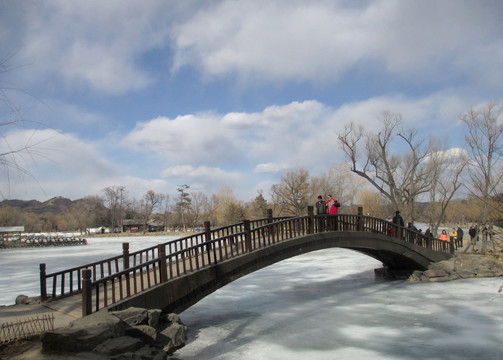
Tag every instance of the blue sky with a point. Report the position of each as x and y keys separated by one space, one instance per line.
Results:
x=154 y=94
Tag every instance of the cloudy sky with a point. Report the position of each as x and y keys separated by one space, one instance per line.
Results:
x=154 y=94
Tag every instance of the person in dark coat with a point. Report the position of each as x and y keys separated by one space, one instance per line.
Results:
x=398 y=220
x=472 y=232
x=321 y=209
x=459 y=238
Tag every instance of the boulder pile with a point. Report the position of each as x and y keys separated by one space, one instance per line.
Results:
x=134 y=333
x=462 y=266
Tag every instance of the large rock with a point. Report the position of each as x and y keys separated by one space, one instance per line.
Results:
x=119 y=345
x=133 y=316
x=127 y=334
x=173 y=337
x=83 y=334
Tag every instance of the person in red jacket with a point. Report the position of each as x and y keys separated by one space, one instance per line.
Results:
x=332 y=205
x=332 y=209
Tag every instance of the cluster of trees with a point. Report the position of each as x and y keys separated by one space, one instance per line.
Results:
x=405 y=168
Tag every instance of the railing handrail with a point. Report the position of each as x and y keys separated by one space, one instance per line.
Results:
x=133 y=255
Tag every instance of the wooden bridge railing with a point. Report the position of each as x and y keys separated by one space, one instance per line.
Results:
x=111 y=280
x=67 y=282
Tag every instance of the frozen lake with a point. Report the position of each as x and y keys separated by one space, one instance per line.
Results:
x=322 y=305
x=20 y=267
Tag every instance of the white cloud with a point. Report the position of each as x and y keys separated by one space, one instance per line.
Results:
x=92 y=43
x=272 y=167
x=201 y=173
x=318 y=41
x=208 y=151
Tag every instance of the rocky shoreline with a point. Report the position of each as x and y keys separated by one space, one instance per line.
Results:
x=462 y=266
x=134 y=333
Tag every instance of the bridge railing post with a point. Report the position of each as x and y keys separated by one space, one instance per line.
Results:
x=270 y=220
x=43 y=282
x=125 y=256
x=248 y=244
x=86 y=292
x=310 y=221
x=207 y=239
x=359 y=222
x=163 y=266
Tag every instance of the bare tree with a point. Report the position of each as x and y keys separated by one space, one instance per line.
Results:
x=339 y=182
x=114 y=199
x=446 y=180
x=166 y=211
x=400 y=177
x=200 y=207
x=10 y=116
x=373 y=202
x=150 y=201
x=294 y=193
x=484 y=140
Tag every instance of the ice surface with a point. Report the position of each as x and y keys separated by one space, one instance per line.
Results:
x=20 y=267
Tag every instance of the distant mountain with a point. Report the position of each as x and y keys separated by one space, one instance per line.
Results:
x=53 y=206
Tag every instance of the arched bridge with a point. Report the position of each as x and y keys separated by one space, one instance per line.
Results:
x=175 y=275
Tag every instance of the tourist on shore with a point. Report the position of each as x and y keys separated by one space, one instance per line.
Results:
x=453 y=236
x=445 y=238
x=459 y=238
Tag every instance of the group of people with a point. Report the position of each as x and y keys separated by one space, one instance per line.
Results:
x=329 y=206
x=456 y=236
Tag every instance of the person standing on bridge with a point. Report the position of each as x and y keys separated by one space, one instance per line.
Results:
x=398 y=221
x=332 y=209
x=321 y=209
